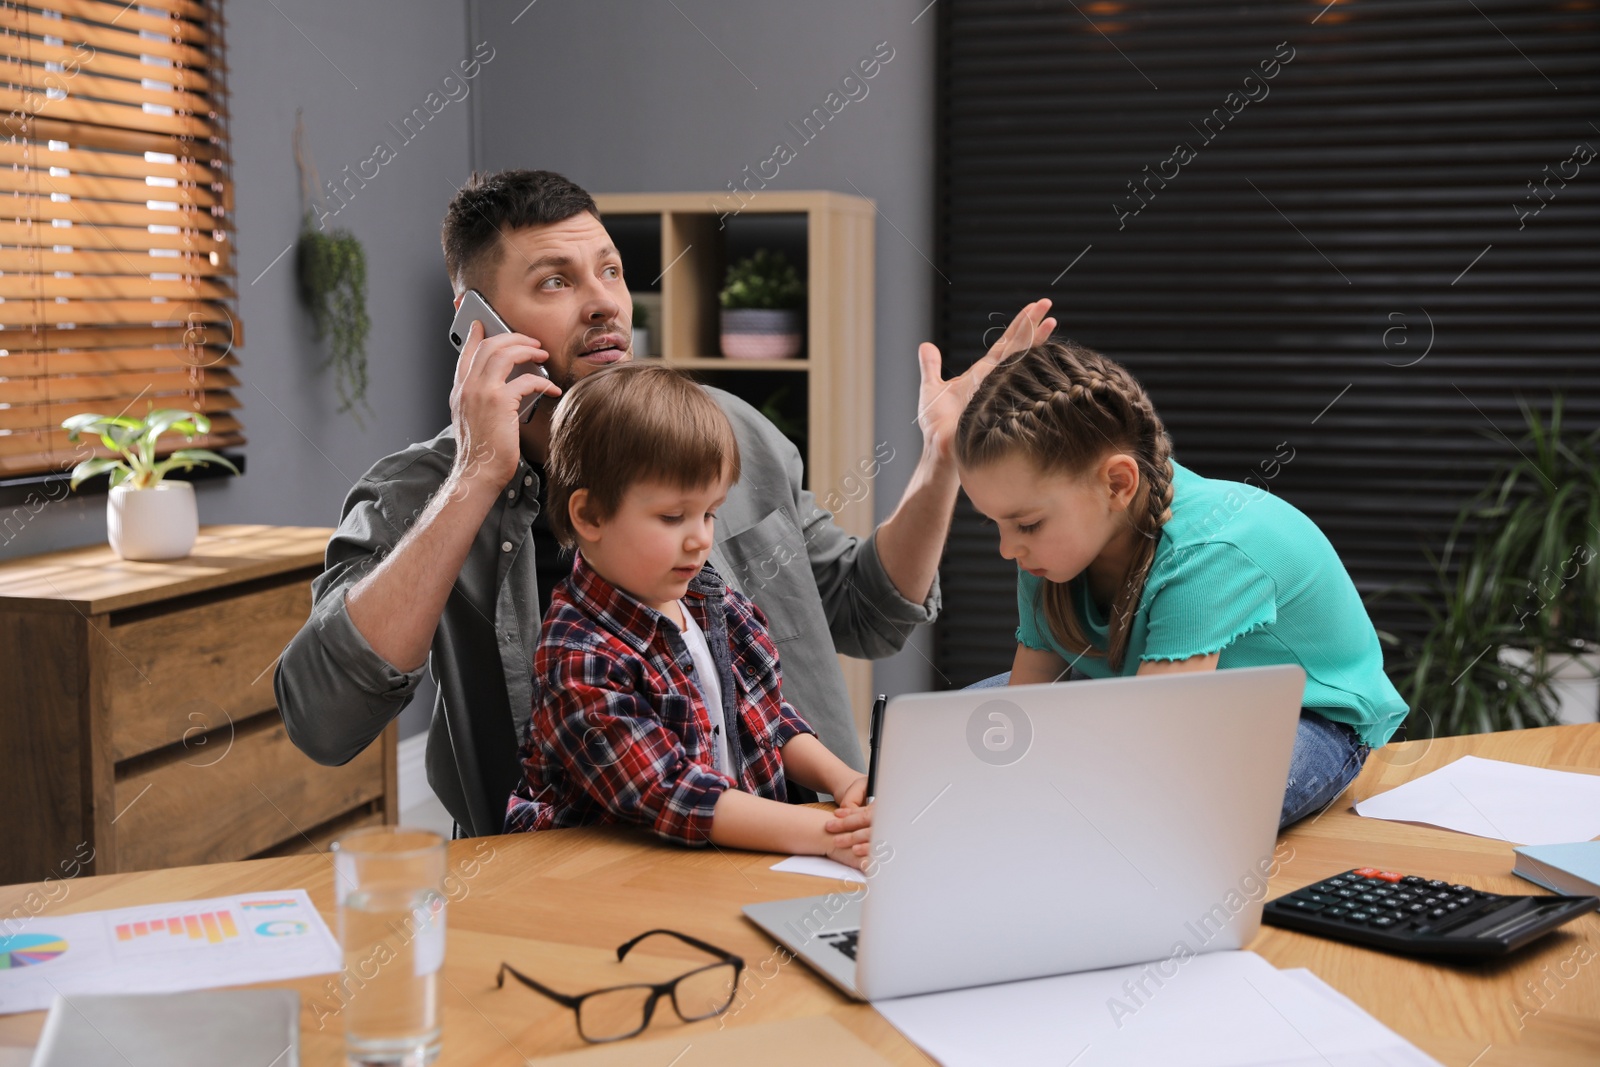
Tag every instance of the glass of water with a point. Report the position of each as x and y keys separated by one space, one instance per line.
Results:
x=389 y=882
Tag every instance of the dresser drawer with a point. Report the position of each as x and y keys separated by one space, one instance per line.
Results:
x=172 y=675
x=227 y=801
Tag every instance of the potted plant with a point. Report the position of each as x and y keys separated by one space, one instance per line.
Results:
x=147 y=517
x=761 y=302
x=1514 y=638
x=331 y=271
x=1543 y=513
x=1457 y=680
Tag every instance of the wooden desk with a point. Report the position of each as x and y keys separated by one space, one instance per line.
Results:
x=559 y=903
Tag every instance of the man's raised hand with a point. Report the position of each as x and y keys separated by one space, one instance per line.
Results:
x=940 y=402
x=484 y=405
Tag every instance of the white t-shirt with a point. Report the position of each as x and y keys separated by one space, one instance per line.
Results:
x=705 y=669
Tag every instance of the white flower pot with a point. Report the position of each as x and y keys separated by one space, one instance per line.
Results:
x=1575 y=678
x=641 y=343
x=156 y=523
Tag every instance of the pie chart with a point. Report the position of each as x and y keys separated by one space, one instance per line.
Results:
x=26 y=950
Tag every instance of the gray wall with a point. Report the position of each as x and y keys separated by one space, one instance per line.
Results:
x=620 y=97
x=681 y=97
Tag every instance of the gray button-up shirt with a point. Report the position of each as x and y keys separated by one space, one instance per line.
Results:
x=823 y=591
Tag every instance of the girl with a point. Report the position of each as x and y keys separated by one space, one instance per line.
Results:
x=1130 y=564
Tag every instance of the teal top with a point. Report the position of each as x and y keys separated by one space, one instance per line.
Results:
x=1241 y=572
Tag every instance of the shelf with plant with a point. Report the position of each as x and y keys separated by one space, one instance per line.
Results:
x=762 y=300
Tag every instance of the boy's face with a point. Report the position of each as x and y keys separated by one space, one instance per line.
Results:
x=658 y=539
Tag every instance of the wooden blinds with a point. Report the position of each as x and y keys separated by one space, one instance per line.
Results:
x=115 y=257
x=1336 y=241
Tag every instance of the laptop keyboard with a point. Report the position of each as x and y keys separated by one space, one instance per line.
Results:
x=843 y=940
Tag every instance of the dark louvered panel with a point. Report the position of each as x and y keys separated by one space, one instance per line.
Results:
x=1370 y=260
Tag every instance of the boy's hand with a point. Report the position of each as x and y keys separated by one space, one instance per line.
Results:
x=850 y=832
x=853 y=795
x=850 y=817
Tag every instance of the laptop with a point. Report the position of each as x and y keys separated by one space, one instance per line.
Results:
x=1044 y=829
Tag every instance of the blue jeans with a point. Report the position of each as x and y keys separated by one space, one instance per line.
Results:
x=1327 y=757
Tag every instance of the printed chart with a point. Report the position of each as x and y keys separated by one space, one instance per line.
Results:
x=27 y=950
x=213 y=926
x=165 y=948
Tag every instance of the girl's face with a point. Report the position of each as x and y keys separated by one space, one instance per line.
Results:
x=1054 y=524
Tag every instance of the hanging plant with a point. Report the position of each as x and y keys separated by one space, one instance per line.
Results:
x=332 y=271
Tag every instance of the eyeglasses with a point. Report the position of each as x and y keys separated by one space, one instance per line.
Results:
x=622 y=1011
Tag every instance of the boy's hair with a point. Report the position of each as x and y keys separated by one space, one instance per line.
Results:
x=628 y=424
x=1066 y=407
x=497 y=203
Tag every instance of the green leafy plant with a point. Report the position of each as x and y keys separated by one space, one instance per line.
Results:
x=765 y=280
x=134 y=441
x=333 y=285
x=641 y=317
x=1454 y=680
x=1519 y=571
x=1542 y=512
x=331 y=268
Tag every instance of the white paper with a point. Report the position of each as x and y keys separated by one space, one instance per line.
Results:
x=1490 y=798
x=821 y=867
x=1316 y=985
x=164 y=948
x=1221 y=1009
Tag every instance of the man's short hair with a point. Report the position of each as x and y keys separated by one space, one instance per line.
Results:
x=628 y=424
x=490 y=205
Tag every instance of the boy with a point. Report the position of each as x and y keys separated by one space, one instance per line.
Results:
x=656 y=688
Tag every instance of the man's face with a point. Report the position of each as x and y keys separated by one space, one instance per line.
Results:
x=562 y=285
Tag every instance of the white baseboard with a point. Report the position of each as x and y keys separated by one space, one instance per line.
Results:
x=413 y=772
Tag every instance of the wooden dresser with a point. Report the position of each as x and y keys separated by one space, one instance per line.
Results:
x=137 y=718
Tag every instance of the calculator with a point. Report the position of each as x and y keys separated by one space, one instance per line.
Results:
x=1419 y=916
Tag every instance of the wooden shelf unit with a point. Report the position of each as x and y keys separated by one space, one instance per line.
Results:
x=138 y=718
x=838 y=359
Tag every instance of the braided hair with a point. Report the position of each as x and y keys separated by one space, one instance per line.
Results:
x=1066 y=407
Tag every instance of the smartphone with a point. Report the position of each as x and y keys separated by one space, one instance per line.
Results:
x=475 y=308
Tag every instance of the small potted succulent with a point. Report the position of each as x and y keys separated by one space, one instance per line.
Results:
x=762 y=301
x=147 y=517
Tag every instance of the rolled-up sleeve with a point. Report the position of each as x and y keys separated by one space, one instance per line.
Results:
x=611 y=745
x=867 y=615
x=334 y=692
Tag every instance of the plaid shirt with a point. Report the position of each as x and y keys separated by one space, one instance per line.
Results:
x=619 y=732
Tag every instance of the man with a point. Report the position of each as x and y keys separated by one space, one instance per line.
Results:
x=442 y=557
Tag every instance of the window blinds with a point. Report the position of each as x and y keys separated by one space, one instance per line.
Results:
x=116 y=262
x=1336 y=242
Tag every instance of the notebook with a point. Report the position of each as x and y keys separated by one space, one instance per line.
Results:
x=1573 y=869
x=239 y=1027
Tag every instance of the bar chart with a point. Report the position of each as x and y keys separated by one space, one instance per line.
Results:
x=212 y=927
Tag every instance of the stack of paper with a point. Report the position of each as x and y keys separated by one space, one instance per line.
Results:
x=1221 y=1009
x=1491 y=798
